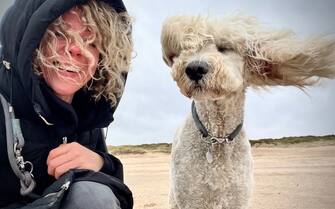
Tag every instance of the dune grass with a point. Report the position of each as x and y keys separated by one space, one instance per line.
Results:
x=141 y=149
x=291 y=140
x=166 y=147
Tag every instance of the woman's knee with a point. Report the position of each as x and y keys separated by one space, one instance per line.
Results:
x=87 y=194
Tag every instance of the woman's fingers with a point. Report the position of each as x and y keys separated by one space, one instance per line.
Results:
x=61 y=150
x=73 y=155
x=58 y=161
x=60 y=170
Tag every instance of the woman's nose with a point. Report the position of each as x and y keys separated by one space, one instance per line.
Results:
x=75 y=50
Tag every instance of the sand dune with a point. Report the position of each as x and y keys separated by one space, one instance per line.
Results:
x=295 y=177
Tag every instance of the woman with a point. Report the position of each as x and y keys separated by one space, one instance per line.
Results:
x=64 y=68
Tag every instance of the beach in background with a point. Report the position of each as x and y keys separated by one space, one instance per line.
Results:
x=298 y=175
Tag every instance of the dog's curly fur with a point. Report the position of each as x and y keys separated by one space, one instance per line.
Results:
x=236 y=52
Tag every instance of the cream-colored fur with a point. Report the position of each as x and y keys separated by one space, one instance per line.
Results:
x=237 y=52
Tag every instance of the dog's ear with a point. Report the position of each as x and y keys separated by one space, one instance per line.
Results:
x=279 y=58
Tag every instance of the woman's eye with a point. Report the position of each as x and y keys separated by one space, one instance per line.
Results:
x=89 y=31
x=58 y=34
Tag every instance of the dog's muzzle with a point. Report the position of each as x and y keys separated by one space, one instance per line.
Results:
x=196 y=70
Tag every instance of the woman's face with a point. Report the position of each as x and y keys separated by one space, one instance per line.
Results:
x=65 y=81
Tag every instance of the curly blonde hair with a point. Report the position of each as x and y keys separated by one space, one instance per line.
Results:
x=111 y=36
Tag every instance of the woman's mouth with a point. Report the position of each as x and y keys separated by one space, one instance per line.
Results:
x=68 y=73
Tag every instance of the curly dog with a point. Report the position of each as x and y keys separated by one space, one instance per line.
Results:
x=213 y=61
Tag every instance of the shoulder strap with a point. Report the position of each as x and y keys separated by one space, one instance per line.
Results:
x=15 y=143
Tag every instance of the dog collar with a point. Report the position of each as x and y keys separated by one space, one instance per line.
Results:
x=207 y=137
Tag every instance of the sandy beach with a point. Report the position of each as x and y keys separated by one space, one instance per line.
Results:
x=299 y=176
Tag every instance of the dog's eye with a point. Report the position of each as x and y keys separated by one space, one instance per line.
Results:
x=222 y=49
x=167 y=62
x=169 y=59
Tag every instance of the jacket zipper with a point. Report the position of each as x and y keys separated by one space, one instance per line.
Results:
x=64 y=140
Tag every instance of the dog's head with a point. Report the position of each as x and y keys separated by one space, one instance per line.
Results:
x=211 y=59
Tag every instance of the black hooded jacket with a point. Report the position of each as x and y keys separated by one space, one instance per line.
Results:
x=22 y=28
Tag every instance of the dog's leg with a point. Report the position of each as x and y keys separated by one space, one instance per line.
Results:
x=172 y=202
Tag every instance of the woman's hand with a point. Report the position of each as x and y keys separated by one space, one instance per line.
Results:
x=72 y=155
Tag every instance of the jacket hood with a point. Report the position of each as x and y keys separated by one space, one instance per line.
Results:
x=22 y=28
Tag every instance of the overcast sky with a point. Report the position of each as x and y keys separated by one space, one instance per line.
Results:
x=152 y=107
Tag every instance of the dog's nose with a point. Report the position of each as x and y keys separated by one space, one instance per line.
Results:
x=196 y=70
